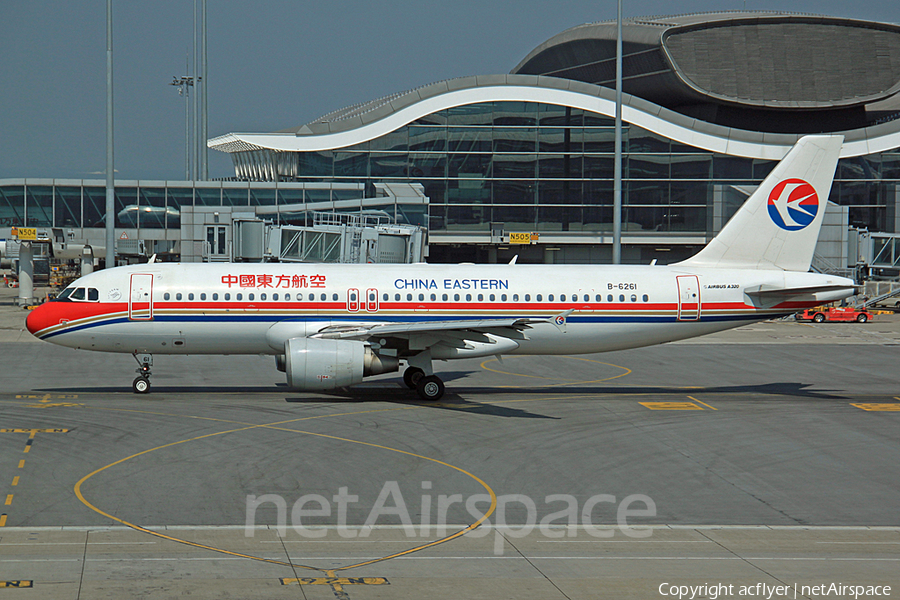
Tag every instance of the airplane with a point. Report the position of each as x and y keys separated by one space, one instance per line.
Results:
x=331 y=325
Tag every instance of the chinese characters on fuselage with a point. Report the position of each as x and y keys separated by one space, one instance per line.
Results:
x=274 y=281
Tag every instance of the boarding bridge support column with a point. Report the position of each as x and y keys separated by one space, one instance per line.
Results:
x=87 y=261
x=26 y=274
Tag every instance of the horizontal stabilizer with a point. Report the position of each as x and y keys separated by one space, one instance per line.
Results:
x=765 y=292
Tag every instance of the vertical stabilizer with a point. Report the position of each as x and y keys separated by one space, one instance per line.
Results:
x=778 y=226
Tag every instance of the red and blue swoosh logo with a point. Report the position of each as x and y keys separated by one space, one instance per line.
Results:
x=793 y=204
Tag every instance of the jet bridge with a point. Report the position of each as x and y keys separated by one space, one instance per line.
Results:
x=350 y=238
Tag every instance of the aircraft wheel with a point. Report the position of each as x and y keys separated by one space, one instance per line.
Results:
x=141 y=385
x=430 y=388
x=411 y=377
x=862 y=318
x=819 y=318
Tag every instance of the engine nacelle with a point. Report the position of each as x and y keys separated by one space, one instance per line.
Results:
x=314 y=364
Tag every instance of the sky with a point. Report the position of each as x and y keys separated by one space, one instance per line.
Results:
x=272 y=64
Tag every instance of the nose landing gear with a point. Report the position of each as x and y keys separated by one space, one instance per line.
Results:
x=141 y=383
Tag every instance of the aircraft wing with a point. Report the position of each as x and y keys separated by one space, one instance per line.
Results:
x=449 y=330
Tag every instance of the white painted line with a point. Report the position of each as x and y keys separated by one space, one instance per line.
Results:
x=79 y=544
x=482 y=558
x=626 y=542
x=325 y=541
x=867 y=543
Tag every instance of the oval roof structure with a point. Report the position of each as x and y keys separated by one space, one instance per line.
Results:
x=723 y=66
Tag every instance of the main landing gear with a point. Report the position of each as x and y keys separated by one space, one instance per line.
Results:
x=422 y=379
x=141 y=383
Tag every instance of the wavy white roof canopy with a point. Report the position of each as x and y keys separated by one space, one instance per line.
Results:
x=380 y=117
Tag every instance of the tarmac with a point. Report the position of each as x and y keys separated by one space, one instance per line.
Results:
x=762 y=456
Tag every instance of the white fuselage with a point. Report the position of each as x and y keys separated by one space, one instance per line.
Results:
x=239 y=308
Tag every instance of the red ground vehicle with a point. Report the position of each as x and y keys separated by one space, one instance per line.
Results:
x=821 y=314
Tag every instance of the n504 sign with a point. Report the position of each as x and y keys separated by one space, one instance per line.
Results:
x=25 y=233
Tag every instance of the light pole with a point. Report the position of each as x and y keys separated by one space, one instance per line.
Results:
x=184 y=84
x=110 y=167
x=617 y=173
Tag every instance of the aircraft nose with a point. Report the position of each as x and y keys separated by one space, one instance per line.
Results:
x=41 y=317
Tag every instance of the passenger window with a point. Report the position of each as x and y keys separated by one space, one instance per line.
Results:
x=408 y=297
x=334 y=297
x=275 y=297
x=372 y=297
x=515 y=297
x=609 y=298
x=385 y=297
x=166 y=296
x=190 y=296
x=503 y=297
x=646 y=298
x=433 y=297
x=587 y=298
x=178 y=296
x=634 y=297
x=468 y=297
x=203 y=296
x=93 y=294
x=444 y=297
x=421 y=297
x=322 y=297
x=215 y=296
x=397 y=297
x=597 y=298
x=527 y=297
x=287 y=297
x=539 y=297
x=262 y=296
x=621 y=297
x=480 y=297
x=550 y=298
x=227 y=296
x=312 y=297
x=456 y=297
x=240 y=296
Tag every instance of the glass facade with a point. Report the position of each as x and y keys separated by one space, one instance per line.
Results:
x=549 y=168
x=148 y=205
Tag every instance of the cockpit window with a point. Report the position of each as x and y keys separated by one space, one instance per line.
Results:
x=79 y=295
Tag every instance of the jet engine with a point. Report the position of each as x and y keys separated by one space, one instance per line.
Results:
x=314 y=364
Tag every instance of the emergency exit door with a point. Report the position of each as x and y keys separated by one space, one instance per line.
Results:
x=688 y=297
x=140 y=300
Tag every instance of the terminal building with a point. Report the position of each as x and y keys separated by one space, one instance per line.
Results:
x=711 y=102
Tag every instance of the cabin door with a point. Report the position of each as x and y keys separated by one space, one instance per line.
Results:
x=688 y=297
x=140 y=300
